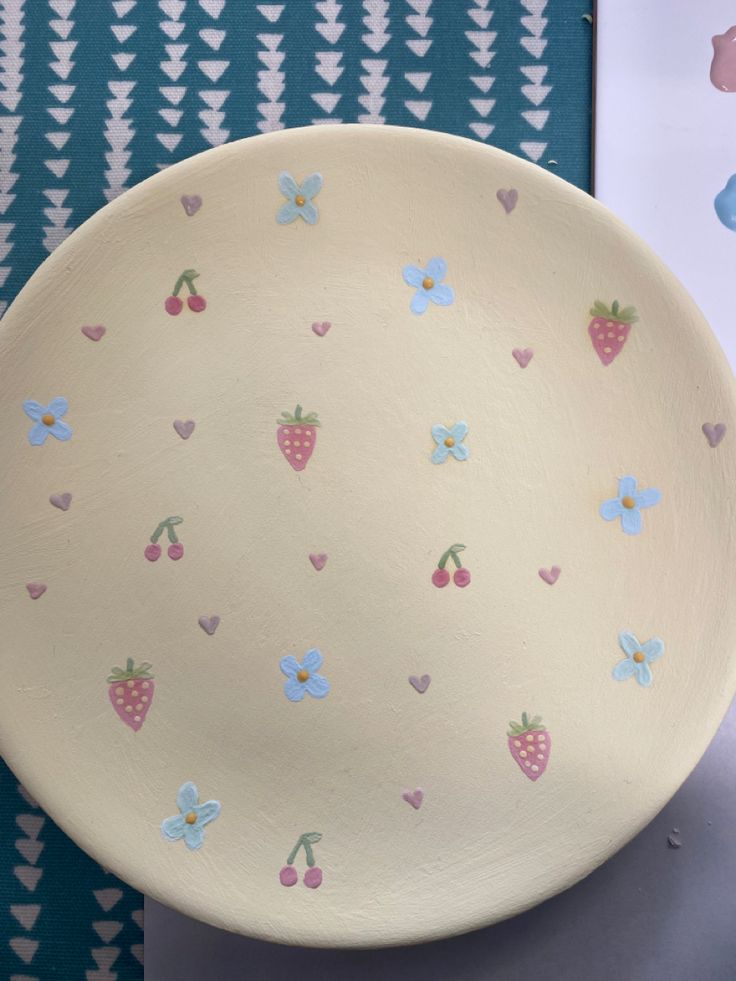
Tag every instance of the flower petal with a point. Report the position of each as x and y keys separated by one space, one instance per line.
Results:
x=61 y=431
x=312 y=660
x=309 y=213
x=289 y=666
x=173 y=827
x=294 y=690
x=58 y=406
x=442 y=295
x=626 y=486
x=653 y=649
x=317 y=686
x=193 y=836
x=610 y=510
x=437 y=269
x=648 y=497
x=287 y=185
x=631 y=521
x=37 y=434
x=413 y=276
x=207 y=812
x=34 y=410
x=440 y=453
x=420 y=302
x=440 y=434
x=459 y=431
x=644 y=674
x=624 y=669
x=287 y=213
x=460 y=451
x=187 y=797
x=628 y=643
x=311 y=185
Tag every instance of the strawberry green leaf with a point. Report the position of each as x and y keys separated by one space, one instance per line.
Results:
x=297 y=418
x=131 y=672
x=627 y=315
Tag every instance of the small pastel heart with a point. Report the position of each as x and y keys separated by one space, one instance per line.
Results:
x=714 y=433
x=508 y=199
x=94 y=333
x=321 y=329
x=191 y=203
x=550 y=575
x=184 y=427
x=421 y=684
x=209 y=624
x=523 y=356
x=35 y=589
x=318 y=561
x=414 y=798
x=61 y=501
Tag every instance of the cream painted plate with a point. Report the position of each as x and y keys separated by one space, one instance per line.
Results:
x=354 y=480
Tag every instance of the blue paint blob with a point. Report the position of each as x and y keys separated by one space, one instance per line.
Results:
x=725 y=204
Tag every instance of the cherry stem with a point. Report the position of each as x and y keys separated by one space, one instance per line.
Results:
x=188 y=277
x=301 y=842
x=451 y=553
x=167 y=525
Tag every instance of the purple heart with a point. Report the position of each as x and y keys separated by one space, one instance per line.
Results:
x=61 y=501
x=94 y=333
x=421 y=684
x=714 y=433
x=191 y=203
x=321 y=329
x=523 y=357
x=184 y=428
x=508 y=199
x=550 y=575
x=318 y=561
x=414 y=798
x=209 y=624
x=35 y=589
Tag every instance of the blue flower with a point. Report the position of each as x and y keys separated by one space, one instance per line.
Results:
x=428 y=284
x=189 y=823
x=628 y=505
x=47 y=419
x=638 y=658
x=450 y=441
x=302 y=678
x=299 y=203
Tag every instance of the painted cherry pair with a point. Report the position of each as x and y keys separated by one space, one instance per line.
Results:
x=461 y=576
x=175 y=549
x=288 y=876
x=195 y=301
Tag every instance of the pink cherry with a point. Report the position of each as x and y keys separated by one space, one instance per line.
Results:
x=197 y=303
x=152 y=552
x=288 y=876
x=313 y=877
x=461 y=577
x=176 y=551
x=440 y=577
x=173 y=305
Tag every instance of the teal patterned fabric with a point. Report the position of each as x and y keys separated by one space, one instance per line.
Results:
x=96 y=95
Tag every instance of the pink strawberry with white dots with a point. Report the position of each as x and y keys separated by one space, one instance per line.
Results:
x=609 y=329
x=529 y=744
x=131 y=692
x=296 y=436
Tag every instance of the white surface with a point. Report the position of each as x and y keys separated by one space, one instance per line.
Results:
x=666 y=141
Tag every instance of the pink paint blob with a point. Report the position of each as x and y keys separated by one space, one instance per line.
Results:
x=288 y=876
x=176 y=551
x=440 y=577
x=313 y=877
x=723 y=66
x=462 y=577
x=173 y=305
x=152 y=552
x=550 y=576
x=197 y=303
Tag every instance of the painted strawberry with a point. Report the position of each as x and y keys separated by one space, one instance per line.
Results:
x=529 y=744
x=609 y=329
x=131 y=692
x=296 y=436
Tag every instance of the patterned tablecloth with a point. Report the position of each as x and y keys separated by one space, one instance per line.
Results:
x=96 y=95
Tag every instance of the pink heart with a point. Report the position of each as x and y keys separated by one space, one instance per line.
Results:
x=321 y=329
x=94 y=333
x=508 y=199
x=35 y=589
x=714 y=434
x=184 y=428
x=421 y=684
x=414 y=798
x=550 y=575
x=61 y=501
x=209 y=624
x=191 y=203
x=318 y=561
x=523 y=357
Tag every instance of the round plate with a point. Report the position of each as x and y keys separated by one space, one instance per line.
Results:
x=366 y=557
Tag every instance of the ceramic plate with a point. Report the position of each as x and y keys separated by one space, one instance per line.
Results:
x=367 y=536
